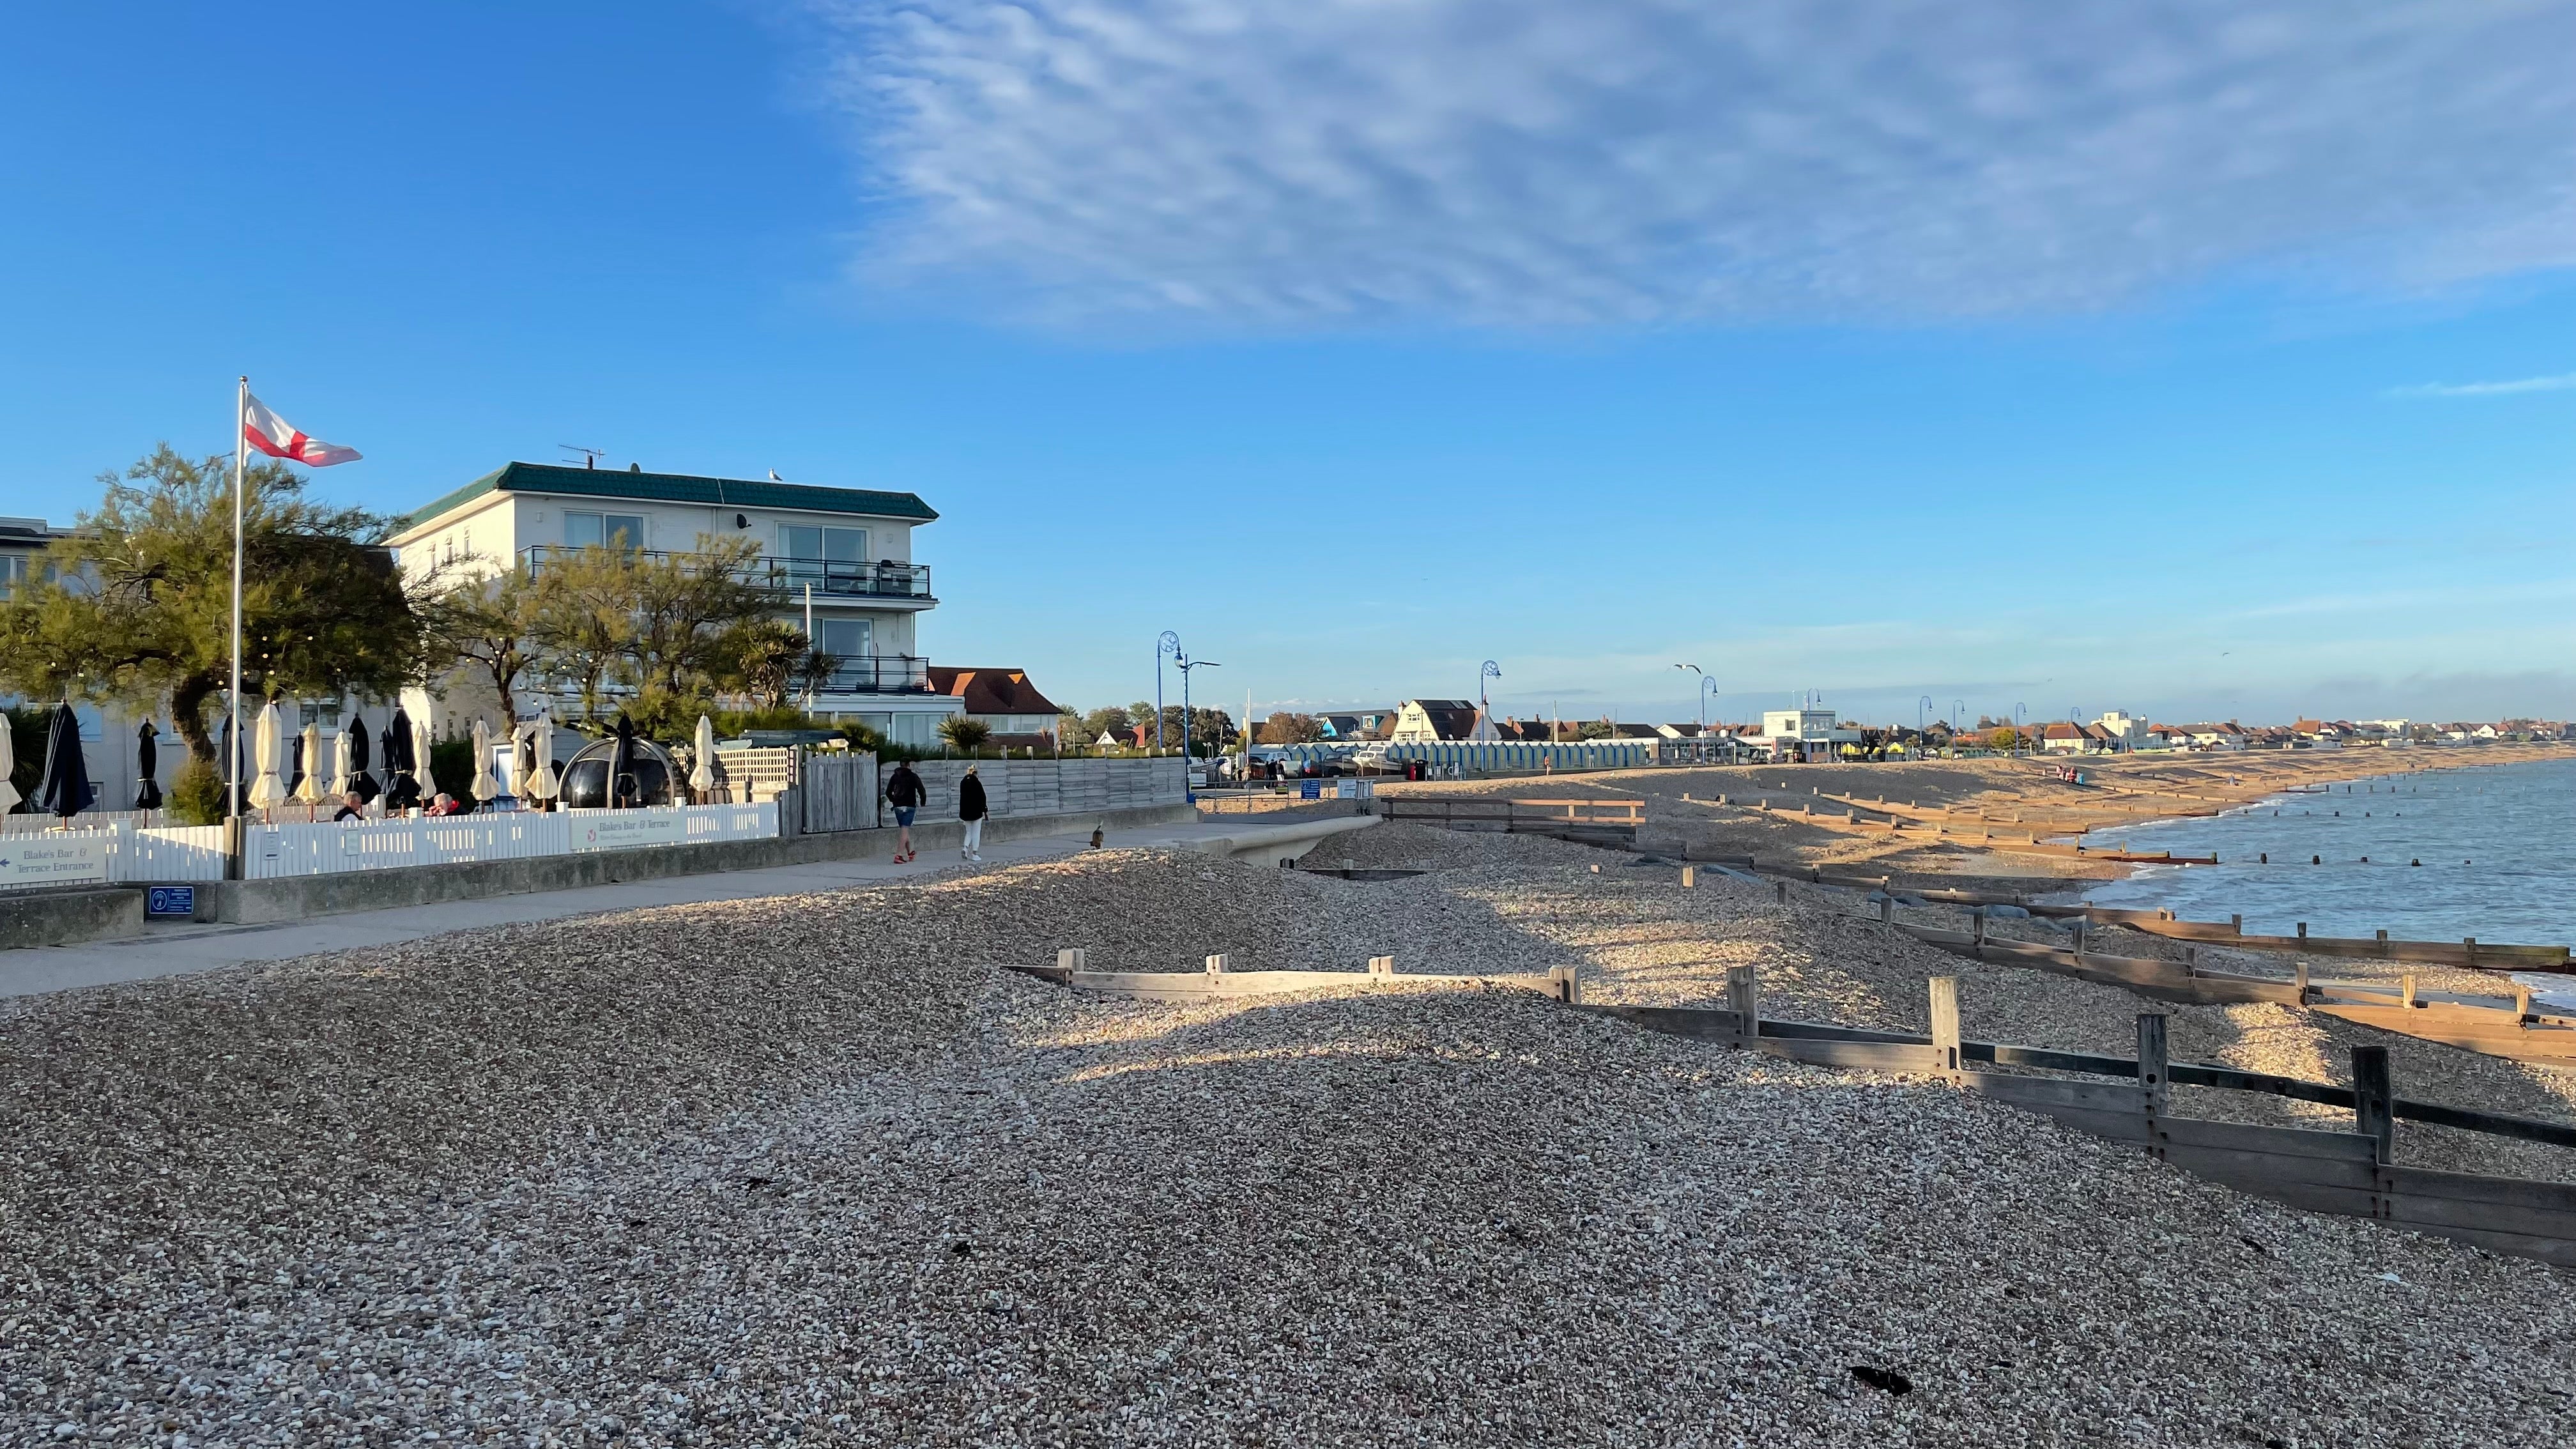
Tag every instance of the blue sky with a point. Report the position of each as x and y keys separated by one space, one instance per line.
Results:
x=2132 y=359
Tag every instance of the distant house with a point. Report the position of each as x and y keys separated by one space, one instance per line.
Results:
x=1535 y=731
x=1438 y=721
x=2062 y=738
x=1004 y=701
x=2229 y=736
x=1366 y=724
x=1803 y=734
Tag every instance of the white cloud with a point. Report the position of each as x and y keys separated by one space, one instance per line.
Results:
x=2559 y=383
x=1539 y=162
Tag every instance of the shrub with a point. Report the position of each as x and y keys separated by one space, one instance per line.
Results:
x=451 y=768
x=965 y=732
x=196 y=796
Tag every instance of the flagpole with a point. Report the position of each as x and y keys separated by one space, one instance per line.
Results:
x=232 y=736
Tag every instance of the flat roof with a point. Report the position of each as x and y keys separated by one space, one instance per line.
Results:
x=675 y=488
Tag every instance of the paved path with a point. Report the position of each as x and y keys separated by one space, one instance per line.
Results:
x=172 y=950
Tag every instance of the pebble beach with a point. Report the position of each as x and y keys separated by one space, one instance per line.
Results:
x=819 y=1170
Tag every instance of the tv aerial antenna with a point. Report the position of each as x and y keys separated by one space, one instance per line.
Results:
x=589 y=456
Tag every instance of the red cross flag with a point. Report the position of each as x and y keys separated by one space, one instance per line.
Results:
x=278 y=438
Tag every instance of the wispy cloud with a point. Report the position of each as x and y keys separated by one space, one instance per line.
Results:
x=1525 y=163
x=2557 y=383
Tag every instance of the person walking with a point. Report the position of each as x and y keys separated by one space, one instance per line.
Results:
x=970 y=808
x=903 y=791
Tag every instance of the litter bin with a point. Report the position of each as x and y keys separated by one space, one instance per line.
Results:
x=1416 y=770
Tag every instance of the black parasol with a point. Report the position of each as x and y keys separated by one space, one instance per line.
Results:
x=402 y=784
x=147 y=755
x=623 y=790
x=65 y=789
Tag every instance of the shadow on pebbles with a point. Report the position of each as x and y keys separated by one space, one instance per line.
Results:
x=811 y=1170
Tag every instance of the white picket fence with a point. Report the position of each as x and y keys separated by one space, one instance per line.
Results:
x=271 y=852
x=123 y=854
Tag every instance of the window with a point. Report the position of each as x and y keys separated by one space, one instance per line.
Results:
x=604 y=530
x=827 y=545
x=13 y=572
x=848 y=640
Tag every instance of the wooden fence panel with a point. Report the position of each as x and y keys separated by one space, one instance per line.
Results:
x=840 y=791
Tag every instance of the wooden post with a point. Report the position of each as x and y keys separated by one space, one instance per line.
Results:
x=2236 y=925
x=1220 y=963
x=2522 y=1003
x=1690 y=877
x=1071 y=960
x=2303 y=930
x=1744 y=997
x=1568 y=990
x=1886 y=910
x=2152 y=1073
x=2406 y=989
x=1382 y=966
x=2470 y=944
x=2299 y=978
x=2383 y=943
x=1980 y=913
x=2079 y=938
x=1781 y=888
x=2191 y=960
x=2371 y=1115
x=1945 y=1021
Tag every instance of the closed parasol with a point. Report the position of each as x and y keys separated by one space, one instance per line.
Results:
x=623 y=789
x=541 y=749
x=65 y=790
x=402 y=787
x=9 y=796
x=486 y=786
x=702 y=770
x=308 y=764
x=268 y=787
x=147 y=756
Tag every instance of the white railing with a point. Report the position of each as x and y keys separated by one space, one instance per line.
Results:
x=111 y=854
x=22 y=823
x=271 y=852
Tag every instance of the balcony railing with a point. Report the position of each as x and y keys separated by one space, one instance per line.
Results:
x=831 y=578
x=880 y=674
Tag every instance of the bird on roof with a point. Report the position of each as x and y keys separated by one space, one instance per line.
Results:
x=774 y=478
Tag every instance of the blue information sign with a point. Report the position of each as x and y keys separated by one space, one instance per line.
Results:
x=171 y=901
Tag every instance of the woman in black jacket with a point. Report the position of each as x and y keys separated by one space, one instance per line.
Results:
x=970 y=808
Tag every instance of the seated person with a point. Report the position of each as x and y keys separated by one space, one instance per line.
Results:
x=353 y=806
x=445 y=804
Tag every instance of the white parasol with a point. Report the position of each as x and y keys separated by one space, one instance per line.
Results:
x=269 y=790
x=309 y=790
x=420 y=758
x=485 y=786
x=344 y=760
x=9 y=796
x=541 y=781
x=702 y=774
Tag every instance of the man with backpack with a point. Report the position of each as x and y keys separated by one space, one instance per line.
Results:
x=903 y=791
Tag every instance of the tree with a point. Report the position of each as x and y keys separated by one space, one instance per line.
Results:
x=1284 y=728
x=965 y=732
x=2004 y=739
x=771 y=659
x=1110 y=721
x=489 y=624
x=581 y=618
x=682 y=608
x=135 y=607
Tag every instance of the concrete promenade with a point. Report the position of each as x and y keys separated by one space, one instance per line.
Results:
x=178 y=949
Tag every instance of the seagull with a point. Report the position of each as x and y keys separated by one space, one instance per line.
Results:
x=774 y=478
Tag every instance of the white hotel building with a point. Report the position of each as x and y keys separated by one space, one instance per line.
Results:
x=845 y=554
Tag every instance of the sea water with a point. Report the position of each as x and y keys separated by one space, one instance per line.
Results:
x=2497 y=846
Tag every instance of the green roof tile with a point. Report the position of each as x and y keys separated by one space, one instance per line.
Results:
x=677 y=488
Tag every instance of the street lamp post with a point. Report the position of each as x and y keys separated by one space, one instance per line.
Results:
x=1489 y=670
x=1169 y=644
x=1185 y=664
